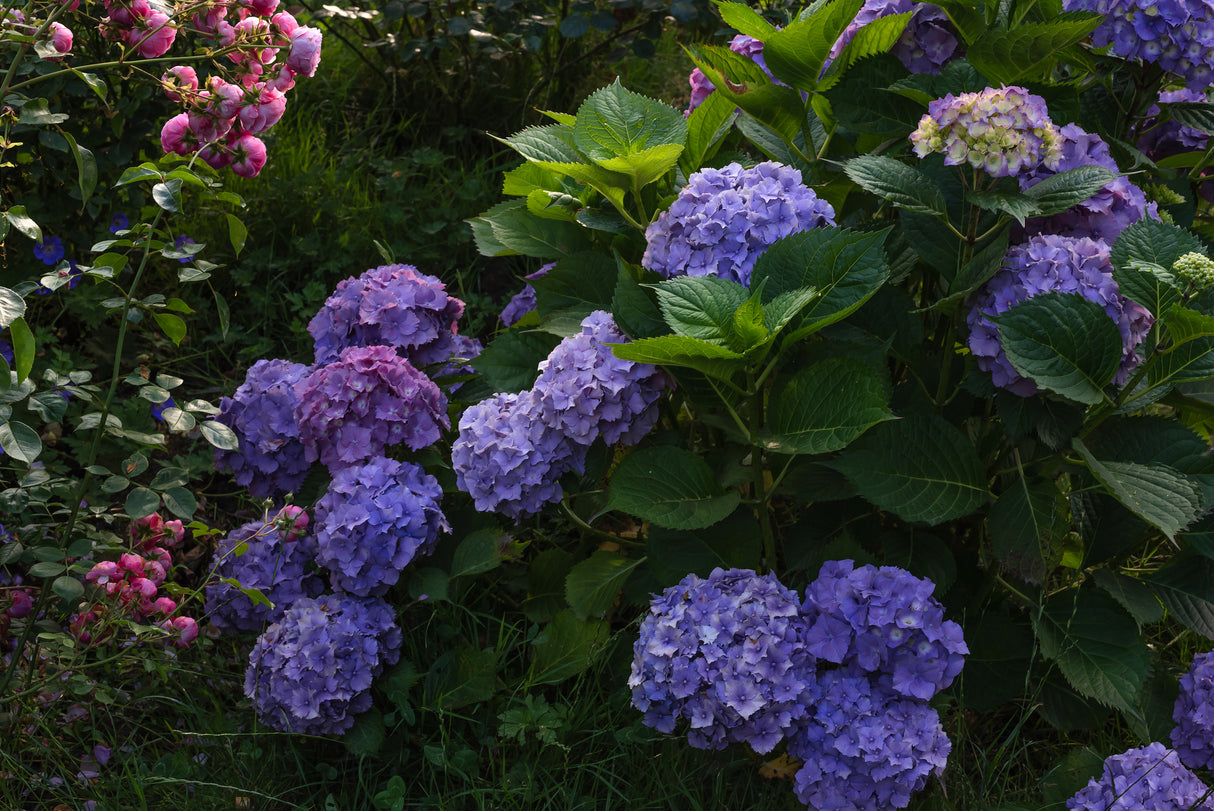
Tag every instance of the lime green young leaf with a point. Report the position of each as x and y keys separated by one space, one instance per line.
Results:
x=614 y=122
x=1159 y=494
x=172 y=326
x=701 y=307
x=903 y=185
x=647 y=165
x=23 y=347
x=745 y=20
x=825 y=407
x=611 y=185
x=593 y=585
x=670 y=487
x=748 y=330
x=797 y=54
x=1014 y=55
x=681 y=350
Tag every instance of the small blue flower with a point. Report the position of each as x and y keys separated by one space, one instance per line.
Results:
x=182 y=241
x=120 y=222
x=158 y=408
x=49 y=250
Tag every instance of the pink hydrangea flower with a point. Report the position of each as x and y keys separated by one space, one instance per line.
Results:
x=305 y=51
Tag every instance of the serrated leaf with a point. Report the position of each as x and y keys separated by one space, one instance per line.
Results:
x=1061 y=191
x=776 y=107
x=1134 y=596
x=903 y=185
x=875 y=37
x=1150 y=285
x=1027 y=525
x=521 y=231
x=797 y=54
x=645 y=166
x=461 y=677
x=1150 y=241
x=701 y=307
x=593 y=585
x=1189 y=362
x=1016 y=205
x=584 y=282
x=1184 y=325
x=670 y=487
x=745 y=20
x=1009 y=56
x=510 y=363
x=479 y=552
x=366 y=736
x=706 y=127
x=546 y=584
x=680 y=350
x=569 y=645
x=1186 y=589
x=825 y=407
x=552 y=143
x=1158 y=494
x=614 y=122
x=1198 y=115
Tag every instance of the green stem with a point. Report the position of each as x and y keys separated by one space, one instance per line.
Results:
x=758 y=474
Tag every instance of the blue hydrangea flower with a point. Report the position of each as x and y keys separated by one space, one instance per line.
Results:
x=278 y=563
x=311 y=672
x=585 y=391
x=865 y=746
x=702 y=86
x=1193 y=735
x=49 y=250
x=270 y=459
x=724 y=219
x=368 y=400
x=508 y=460
x=1046 y=264
x=1002 y=131
x=390 y=305
x=373 y=521
x=927 y=42
x=883 y=620
x=1150 y=778
x=727 y=655
x=523 y=301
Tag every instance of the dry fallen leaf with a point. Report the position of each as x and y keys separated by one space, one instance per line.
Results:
x=782 y=767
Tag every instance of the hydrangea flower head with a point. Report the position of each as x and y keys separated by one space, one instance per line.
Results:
x=367 y=400
x=373 y=521
x=1046 y=264
x=1193 y=735
x=883 y=620
x=865 y=746
x=1195 y=268
x=276 y=563
x=270 y=459
x=508 y=460
x=727 y=655
x=585 y=391
x=390 y=305
x=311 y=672
x=1002 y=131
x=1150 y=777
x=702 y=86
x=927 y=42
x=723 y=219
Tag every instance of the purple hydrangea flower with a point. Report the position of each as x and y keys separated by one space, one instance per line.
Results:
x=927 y=42
x=1002 y=131
x=727 y=654
x=1161 y=140
x=311 y=672
x=586 y=391
x=883 y=620
x=866 y=747
x=1193 y=735
x=49 y=250
x=523 y=301
x=702 y=86
x=367 y=400
x=271 y=458
x=1049 y=264
x=391 y=305
x=1105 y=214
x=1177 y=35
x=373 y=521
x=276 y=564
x=725 y=218
x=1150 y=778
x=508 y=460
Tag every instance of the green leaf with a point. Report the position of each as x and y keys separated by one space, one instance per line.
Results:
x=920 y=468
x=36 y=112
x=20 y=441
x=634 y=310
x=142 y=502
x=904 y=186
x=134 y=174
x=1013 y=55
x=510 y=362
x=680 y=350
x=115 y=484
x=1016 y=205
x=1134 y=596
x=1189 y=362
x=1027 y=525
x=966 y=16
x=180 y=502
x=701 y=307
x=1059 y=192
x=1198 y=115
x=69 y=588
x=1158 y=494
x=17 y=218
x=23 y=348
x=221 y=310
x=581 y=283
x=479 y=552
x=461 y=677
x=521 y=231
x=167 y=194
x=797 y=54
x=593 y=585
x=748 y=327
x=974 y=273
x=670 y=487
x=46 y=568
x=552 y=143
x=614 y=122
x=1148 y=284
x=546 y=584
x=1186 y=589
x=1063 y=343
x=706 y=127
x=172 y=326
x=646 y=166
x=429 y=582
x=745 y=20
x=219 y=435
x=237 y=233
x=86 y=168
x=876 y=37
x=825 y=407
x=1152 y=242
x=365 y=738
x=1184 y=325
x=566 y=647
x=744 y=84
x=12 y=307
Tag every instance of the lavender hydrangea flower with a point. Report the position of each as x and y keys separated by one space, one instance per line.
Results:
x=1046 y=264
x=1178 y=36
x=369 y=399
x=1105 y=214
x=927 y=42
x=508 y=460
x=725 y=218
x=702 y=87
x=276 y=564
x=865 y=746
x=271 y=458
x=523 y=301
x=311 y=672
x=1002 y=131
x=1150 y=777
x=883 y=620
x=1193 y=735
x=391 y=305
x=585 y=391
x=727 y=655
x=373 y=521
x=1161 y=140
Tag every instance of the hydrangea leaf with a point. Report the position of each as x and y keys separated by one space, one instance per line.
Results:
x=745 y=20
x=701 y=307
x=1013 y=55
x=615 y=122
x=511 y=362
x=552 y=143
x=681 y=350
x=706 y=128
x=566 y=647
x=612 y=185
x=903 y=185
x=746 y=86
x=1060 y=191
x=479 y=552
x=797 y=54
x=546 y=584
x=633 y=308
x=670 y=487
x=1198 y=115
x=1154 y=242
x=732 y=544
x=521 y=231
x=585 y=282
x=1027 y=525
x=920 y=468
x=461 y=677
x=1185 y=325
x=866 y=100
x=646 y=166
x=974 y=273
x=825 y=407
x=428 y=583
x=877 y=37
x=1152 y=286
x=1018 y=206
x=1096 y=645
x=1189 y=362
x=1133 y=595
x=1063 y=343
x=966 y=16
x=1186 y=589
x=367 y=735
x=593 y=585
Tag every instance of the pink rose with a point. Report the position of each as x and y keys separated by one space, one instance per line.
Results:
x=208 y=21
x=262 y=8
x=264 y=113
x=178 y=80
x=249 y=155
x=164 y=605
x=185 y=628
x=152 y=36
x=217 y=158
x=305 y=51
x=283 y=82
x=60 y=39
x=176 y=135
x=126 y=14
x=286 y=25
x=206 y=126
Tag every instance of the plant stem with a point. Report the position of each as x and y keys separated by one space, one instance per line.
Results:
x=758 y=474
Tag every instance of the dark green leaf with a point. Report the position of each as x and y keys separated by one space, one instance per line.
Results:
x=701 y=307
x=365 y=738
x=1149 y=284
x=86 y=168
x=511 y=362
x=142 y=502
x=237 y=233
x=1027 y=525
x=903 y=185
x=1150 y=241
x=1018 y=206
x=1160 y=495
x=679 y=350
x=593 y=585
x=1013 y=55
x=670 y=487
x=634 y=310
x=1059 y=192
x=479 y=552
x=428 y=583
x=1186 y=589
x=825 y=407
x=180 y=502
x=546 y=584
x=69 y=588
x=521 y=231
x=46 y=568
x=1135 y=596
x=20 y=441
x=461 y=677
x=566 y=647
x=1198 y=115
x=581 y=283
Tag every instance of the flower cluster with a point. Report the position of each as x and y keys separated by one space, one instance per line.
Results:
x=275 y=561
x=1047 y=264
x=270 y=458
x=1001 y=131
x=927 y=42
x=1177 y=36
x=367 y=400
x=1105 y=214
x=883 y=620
x=523 y=301
x=1150 y=777
x=15 y=603
x=375 y=519
x=311 y=672
x=1193 y=735
x=131 y=585
x=146 y=29
x=866 y=747
x=702 y=86
x=1195 y=268
x=725 y=218
x=152 y=530
x=391 y=305
x=727 y=654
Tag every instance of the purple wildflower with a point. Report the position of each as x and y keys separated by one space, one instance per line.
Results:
x=49 y=250
x=180 y=243
x=1150 y=777
x=119 y=222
